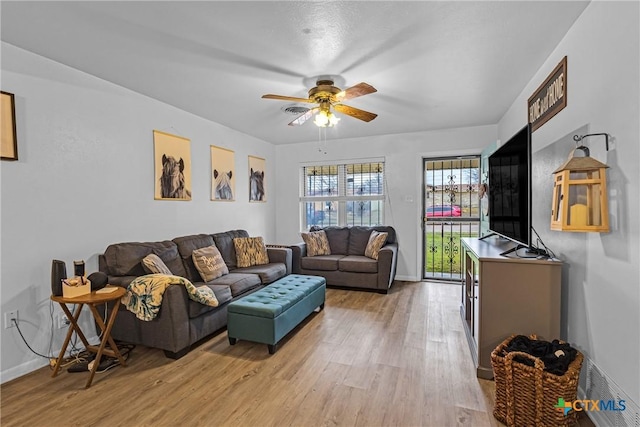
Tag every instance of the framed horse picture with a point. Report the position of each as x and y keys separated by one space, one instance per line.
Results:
x=172 y=157
x=223 y=174
x=257 y=183
x=8 y=140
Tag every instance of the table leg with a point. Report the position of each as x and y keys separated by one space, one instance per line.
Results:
x=112 y=343
x=73 y=326
x=106 y=337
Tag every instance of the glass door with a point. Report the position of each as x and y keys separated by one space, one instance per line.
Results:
x=451 y=209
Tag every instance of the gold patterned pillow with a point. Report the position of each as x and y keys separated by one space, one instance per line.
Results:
x=376 y=242
x=250 y=251
x=209 y=263
x=317 y=243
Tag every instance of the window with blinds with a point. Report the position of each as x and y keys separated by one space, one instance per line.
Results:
x=342 y=194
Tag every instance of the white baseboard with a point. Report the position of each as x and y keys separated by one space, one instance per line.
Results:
x=406 y=279
x=23 y=369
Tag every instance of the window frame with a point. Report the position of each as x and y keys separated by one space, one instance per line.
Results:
x=341 y=198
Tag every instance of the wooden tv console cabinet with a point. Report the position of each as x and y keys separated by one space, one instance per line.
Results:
x=505 y=295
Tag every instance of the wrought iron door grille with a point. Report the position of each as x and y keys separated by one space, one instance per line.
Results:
x=451 y=211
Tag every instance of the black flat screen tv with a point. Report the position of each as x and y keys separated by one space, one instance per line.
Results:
x=510 y=189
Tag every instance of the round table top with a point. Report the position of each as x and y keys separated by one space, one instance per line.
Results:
x=95 y=297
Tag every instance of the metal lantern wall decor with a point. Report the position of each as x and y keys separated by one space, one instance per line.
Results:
x=580 y=193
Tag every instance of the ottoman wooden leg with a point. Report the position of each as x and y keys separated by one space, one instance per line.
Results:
x=233 y=341
x=272 y=348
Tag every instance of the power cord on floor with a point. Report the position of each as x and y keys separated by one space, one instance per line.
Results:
x=106 y=362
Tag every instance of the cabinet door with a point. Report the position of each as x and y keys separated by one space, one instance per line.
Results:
x=469 y=267
x=476 y=304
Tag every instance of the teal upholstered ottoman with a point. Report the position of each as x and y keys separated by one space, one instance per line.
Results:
x=272 y=312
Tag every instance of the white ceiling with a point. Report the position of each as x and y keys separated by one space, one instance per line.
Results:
x=435 y=64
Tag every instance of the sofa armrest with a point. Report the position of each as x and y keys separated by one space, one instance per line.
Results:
x=168 y=331
x=387 y=263
x=280 y=255
x=298 y=251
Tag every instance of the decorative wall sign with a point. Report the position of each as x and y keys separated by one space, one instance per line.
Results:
x=8 y=139
x=172 y=156
x=223 y=174
x=257 y=183
x=550 y=98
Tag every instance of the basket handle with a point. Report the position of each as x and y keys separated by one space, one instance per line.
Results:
x=539 y=368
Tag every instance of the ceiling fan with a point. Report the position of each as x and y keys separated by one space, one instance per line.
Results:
x=326 y=95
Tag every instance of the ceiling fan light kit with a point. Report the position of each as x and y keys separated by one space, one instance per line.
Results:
x=325 y=118
x=326 y=95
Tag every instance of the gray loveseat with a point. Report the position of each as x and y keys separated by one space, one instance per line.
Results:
x=347 y=266
x=182 y=322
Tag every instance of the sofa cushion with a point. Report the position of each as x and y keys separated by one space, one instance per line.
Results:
x=186 y=245
x=152 y=263
x=376 y=242
x=268 y=273
x=224 y=243
x=358 y=239
x=250 y=251
x=338 y=238
x=239 y=283
x=222 y=293
x=391 y=232
x=209 y=263
x=125 y=259
x=358 y=264
x=317 y=243
x=322 y=262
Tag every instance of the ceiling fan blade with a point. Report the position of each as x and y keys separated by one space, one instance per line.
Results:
x=288 y=98
x=355 y=112
x=355 y=91
x=304 y=117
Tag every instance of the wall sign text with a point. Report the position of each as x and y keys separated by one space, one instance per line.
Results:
x=550 y=98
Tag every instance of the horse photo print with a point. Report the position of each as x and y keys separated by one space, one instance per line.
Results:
x=172 y=157
x=257 y=183
x=223 y=174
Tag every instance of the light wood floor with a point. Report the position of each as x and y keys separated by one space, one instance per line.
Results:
x=366 y=360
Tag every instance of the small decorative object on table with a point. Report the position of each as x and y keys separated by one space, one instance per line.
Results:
x=530 y=392
x=75 y=287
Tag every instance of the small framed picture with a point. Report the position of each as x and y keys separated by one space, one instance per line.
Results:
x=223 y=174
x=9 y=141
x=172 y=157
x=257 y=182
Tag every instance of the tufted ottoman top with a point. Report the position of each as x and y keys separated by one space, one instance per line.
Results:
x=277 y=297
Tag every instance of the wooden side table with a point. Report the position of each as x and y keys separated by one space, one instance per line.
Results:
x=92 y=300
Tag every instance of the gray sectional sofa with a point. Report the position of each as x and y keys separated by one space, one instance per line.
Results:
x=347 y=266
x=182 y=322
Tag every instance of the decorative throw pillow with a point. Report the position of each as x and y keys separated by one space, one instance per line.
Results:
x=376 y=242
x=250 y=251
x=317 y=243
x=209 y=263
x=153 y=264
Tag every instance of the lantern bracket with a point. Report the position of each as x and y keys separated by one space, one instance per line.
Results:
x=578 y=138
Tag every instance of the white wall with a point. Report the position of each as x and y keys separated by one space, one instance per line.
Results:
x=601 y=296
x=85 y=179
x=403 y=155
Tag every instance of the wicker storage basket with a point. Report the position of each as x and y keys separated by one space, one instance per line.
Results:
x=527 y=395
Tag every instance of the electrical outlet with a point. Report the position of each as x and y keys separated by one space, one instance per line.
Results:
x=63 y=321
x=8 y=316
